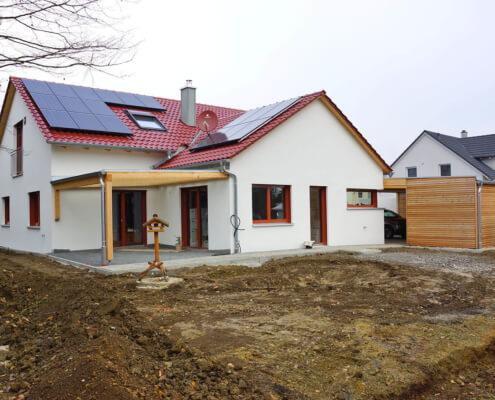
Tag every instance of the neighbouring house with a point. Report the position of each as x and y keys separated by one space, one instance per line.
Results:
x=433 y=154
x=83 y=168
x=445 y=188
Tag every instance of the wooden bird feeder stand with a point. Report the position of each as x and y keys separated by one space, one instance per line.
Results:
x=155 y=225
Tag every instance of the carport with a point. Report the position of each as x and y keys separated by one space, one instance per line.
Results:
x=447 y=211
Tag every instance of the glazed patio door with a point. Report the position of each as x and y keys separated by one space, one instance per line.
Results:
x=129 y=214
x=318 y=214
x=195 y=217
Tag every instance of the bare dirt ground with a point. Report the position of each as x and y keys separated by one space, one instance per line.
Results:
x=320 y=327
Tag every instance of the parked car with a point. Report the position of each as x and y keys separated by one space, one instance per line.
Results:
x=394 y=225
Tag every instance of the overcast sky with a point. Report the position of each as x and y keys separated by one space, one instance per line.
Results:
x=394 y=67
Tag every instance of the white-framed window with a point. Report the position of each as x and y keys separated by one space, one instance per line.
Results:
x=412 y=172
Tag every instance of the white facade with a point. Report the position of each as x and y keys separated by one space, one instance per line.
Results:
x=312 y=148
x=36 y=177
x=427 y=155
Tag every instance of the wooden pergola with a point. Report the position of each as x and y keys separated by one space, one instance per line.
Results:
x=107 y=180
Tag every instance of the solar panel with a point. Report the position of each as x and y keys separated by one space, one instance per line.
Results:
x=62 y=90
x=47 y=101
x=73 y=104
x=113 y=124
x=249 y=122
x=87 y=122
x=108 y=96
x=36 y=86
x=98 y=107
x=150 y=102
x=130 y=100
x=85 y=109
x=85 y=93
x=59 y=119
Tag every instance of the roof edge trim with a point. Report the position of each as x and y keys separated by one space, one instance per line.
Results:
x=355 y=133
x=7 y=105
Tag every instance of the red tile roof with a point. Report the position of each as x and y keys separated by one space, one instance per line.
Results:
x=187 y=157
x=178 y=133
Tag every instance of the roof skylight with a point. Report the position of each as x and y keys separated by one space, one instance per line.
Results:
x=146 y=120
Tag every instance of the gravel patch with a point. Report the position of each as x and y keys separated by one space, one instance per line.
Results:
x=461 y=263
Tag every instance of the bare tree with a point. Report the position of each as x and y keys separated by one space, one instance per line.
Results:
x=54 y=35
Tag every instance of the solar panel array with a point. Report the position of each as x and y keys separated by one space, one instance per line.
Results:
x=249 y=122
x=84 y=109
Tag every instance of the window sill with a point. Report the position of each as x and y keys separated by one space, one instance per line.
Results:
x=5 y=226
x=261 y=225
x=34 y=227
x=364 y=208
x=17 y=176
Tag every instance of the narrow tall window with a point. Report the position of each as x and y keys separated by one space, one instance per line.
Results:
x=34 y=209
x=18 y=149
x=412 y=172
x=361 y=198
x=445 y=170
x=6 y=210
x=271 y=203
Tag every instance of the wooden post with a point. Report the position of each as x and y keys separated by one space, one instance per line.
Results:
x=108 y=216
x=56 y=194
x=157 y=247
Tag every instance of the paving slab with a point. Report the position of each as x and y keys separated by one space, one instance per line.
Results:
x=253 y=259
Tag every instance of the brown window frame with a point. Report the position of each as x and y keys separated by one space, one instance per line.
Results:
x=19 y=138
x=6 y=210
x=34 y=209
x=269 y=220
x=374 y=199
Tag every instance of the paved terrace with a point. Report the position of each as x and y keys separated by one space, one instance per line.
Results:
x=136 y=260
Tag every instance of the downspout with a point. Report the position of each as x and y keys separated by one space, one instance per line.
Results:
x=235 y=217
x=103 y=230
x=480 y=243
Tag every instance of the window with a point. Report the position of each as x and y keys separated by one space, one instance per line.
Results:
x=445 y=170
x=34 y=209
x=412 y=172
x=146 y=120
x=271 y=203
x=390 y=214
x=17 y=153
x=6 y=210
x=361 y=198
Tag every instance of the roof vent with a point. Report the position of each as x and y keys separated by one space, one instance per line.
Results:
x=464 y=133
x=188 y=104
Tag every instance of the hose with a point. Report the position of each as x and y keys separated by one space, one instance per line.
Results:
x=235 y=221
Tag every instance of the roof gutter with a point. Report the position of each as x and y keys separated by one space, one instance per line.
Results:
x=480 y=241
x=106 y=146
x=234 y=219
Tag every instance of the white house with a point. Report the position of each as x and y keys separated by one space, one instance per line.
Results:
x=83 y=168
x=433 y=154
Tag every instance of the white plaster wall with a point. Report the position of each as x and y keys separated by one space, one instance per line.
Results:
x=427 y=155
x=312 y=148
x=36 y=177
x=79 y=227
x=77 y=160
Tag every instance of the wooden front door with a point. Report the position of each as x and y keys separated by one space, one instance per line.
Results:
x=318 y=212
x=129 y=214
x=195 y=217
